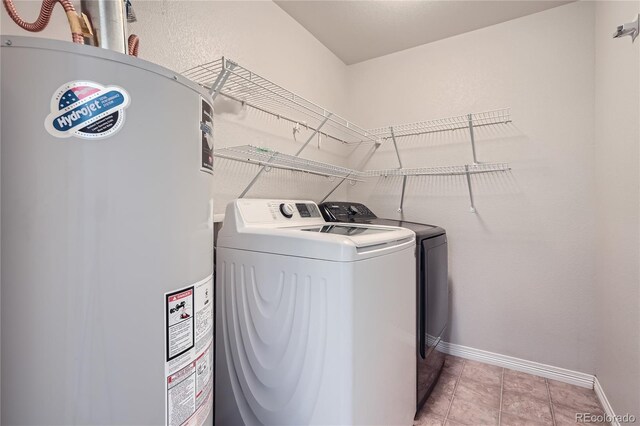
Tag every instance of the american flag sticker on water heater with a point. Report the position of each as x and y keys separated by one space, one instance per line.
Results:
x=87 y=110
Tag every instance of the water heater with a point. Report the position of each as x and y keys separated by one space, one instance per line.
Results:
x=107 y=240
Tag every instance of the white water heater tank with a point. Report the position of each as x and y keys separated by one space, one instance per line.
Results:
x=107 y=240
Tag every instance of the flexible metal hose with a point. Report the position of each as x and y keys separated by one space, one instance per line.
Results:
x=133 y=43
x=44 y=17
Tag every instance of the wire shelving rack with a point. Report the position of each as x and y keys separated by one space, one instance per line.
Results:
x=270 y=159
x=467 y=121
x=442 y=170
x=228 y=78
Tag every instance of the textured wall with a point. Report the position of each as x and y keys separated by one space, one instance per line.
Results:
x=554 y=242
x=57 y=29
x=259 y=36
x=521 y=269
x=617 y=135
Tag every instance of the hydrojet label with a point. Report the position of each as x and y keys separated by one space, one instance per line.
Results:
x=87 y=110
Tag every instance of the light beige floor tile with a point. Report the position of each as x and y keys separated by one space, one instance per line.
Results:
x=484 y=373
x=508 y=419
x=574 y=397
x=468 y=413
x=453 y=365
x=438 y=402
x=517 y=381
x=428 y=419
x=567 y=416
x=479 y=393
x=523 y=405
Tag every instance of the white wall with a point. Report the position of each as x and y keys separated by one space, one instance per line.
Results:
x=548 y=268
x=617 y=137
x=521 y=269
x=263 y=38
x=58 y=28
x=260 y=36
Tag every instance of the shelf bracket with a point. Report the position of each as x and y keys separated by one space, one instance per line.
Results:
x=404 y=178
x=404 y=186
x=363 y=163
x=222 y=78
x=473 y=139
x=262 y=170
x=255 y=178
x=468 y=175
x=395 y=146
x=315 y=132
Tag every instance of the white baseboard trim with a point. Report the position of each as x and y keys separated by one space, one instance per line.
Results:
x=604 y=402
x=548 y=371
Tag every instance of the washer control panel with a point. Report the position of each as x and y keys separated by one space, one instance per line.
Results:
x=287 y=210
x=256 y=211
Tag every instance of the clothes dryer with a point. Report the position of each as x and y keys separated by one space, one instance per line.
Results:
x=432 y=287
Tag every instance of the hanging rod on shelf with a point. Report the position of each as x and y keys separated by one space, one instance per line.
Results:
x=268 y=159
x=468 y=121
x=476 y=119
x=269 y=165
x=228 y=78
x=443 y=170
x=466 y=170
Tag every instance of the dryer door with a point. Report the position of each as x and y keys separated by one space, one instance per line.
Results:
x=434 y=293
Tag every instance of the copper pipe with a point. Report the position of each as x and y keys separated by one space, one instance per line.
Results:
x=133 y=43
x=44 y=17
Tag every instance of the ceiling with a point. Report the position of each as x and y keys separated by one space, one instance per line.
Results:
x=359 y=30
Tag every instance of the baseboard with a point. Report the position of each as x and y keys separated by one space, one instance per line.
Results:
x=604 y=402
x=548 y=371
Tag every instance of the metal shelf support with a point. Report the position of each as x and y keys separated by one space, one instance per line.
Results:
x=404 y=178
x=220 y=81
x=256 y=177
x=263 y=168
x=468 y=174
x=404 y=186
x=473 y=139
x=363 y=163
x=315 y=132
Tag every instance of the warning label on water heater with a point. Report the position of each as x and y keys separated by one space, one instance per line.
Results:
x=189 y=354
x=206 y=143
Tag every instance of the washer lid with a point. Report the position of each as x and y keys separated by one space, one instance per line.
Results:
x=246 y=228
x=347 y=230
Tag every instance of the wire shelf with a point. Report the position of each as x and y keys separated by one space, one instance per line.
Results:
x=228 y=78
x=478 y=119
x=277 y=160
x=441 y=171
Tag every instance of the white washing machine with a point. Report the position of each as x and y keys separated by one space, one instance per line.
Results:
x=315 y=321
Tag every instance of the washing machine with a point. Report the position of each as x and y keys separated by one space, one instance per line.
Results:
x=315 y=321
x=432 y=287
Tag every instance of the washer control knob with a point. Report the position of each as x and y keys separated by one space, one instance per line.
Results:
x=353 y=210
x=286 y=210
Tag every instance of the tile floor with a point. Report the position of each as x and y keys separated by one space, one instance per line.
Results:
x=472 y=393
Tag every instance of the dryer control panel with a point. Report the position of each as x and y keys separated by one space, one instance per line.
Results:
x=344 y=211
x=257 y=211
